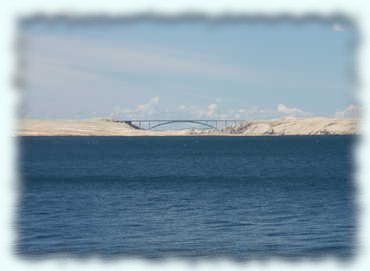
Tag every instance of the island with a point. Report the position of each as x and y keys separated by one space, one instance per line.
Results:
x=111 y=127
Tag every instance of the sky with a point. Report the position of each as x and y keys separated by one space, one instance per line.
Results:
x=148 y=68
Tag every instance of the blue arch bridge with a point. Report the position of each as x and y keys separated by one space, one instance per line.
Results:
x=206 y=123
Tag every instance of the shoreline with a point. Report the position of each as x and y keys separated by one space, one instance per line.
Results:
x=190 y=135
x=108 y=127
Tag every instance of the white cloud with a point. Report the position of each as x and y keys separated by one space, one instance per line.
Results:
x=142 y=110
x=337 y=27
x=351 y=111
x=151 y=109
x=182 y=107
x=281 y=108
x=147 y=107
x=192 y=111
x=211 y=110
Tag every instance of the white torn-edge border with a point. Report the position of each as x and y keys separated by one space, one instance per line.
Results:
x=11 y=11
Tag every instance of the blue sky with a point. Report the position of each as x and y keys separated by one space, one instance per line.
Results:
x=148 y=69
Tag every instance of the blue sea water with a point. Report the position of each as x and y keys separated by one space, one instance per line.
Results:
x=235 y=197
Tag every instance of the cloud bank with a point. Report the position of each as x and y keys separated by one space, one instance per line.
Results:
x=351 y=111
x=291 y=111
x=152 y=109
x=337 y=27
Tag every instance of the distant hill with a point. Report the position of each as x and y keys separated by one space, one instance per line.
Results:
x=108 y=127
x=293 y=126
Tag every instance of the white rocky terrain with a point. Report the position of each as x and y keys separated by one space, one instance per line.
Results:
x=83 y=127
x=291 y=126
x=108 y=127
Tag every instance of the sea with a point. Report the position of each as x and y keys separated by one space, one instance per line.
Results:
x=239 y=198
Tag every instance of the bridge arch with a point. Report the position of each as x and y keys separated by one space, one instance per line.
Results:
x=182 y=121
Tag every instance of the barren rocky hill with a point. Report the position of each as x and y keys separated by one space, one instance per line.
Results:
x=108 y=127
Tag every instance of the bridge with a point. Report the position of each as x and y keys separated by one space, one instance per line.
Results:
x=206 y=123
